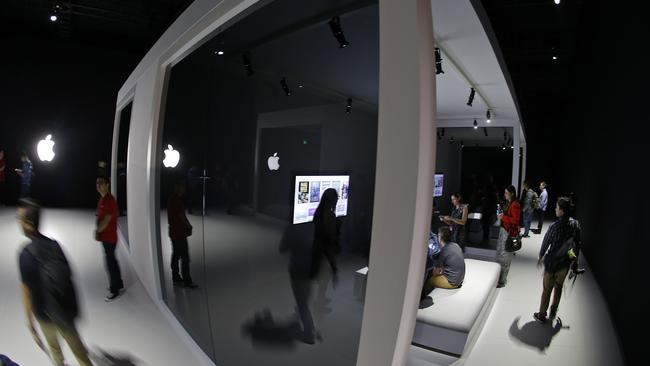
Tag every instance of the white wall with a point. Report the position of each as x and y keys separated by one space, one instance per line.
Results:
x=405 y=159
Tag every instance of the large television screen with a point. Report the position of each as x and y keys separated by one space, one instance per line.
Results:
x=310 y=188
x=438 y=180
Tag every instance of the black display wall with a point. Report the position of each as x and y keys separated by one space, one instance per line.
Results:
x=67 y=90
x=604 y=164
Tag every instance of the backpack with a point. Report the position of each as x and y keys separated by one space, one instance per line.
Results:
x=5 y=361
x=58 y=291
x=535 y=201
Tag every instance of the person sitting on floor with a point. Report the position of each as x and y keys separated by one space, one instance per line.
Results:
x=451 y=272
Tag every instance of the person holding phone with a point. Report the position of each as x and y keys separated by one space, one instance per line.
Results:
x=457 y=220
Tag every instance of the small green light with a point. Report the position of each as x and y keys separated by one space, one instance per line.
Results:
x=304 y=142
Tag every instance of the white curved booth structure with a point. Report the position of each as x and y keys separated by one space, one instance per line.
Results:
x=226 y=123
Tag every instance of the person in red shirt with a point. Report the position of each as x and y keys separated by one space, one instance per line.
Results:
x=106 y=233
x=179 y=230
x=2 y=177
x=509 y=227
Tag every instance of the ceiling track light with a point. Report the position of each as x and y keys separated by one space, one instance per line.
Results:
x=438 y=61
x=462 y=144
x=503 y=146
x=557 y=2
x=348 y=106
x=485 y=131
x=438 y=134
x=337 y=31
x=442 y=130
x=472 y=92
x=452 y=139
x=285 y=87
x=488 y=116
x=248 y=66
x=475 y=125
x=56 y=12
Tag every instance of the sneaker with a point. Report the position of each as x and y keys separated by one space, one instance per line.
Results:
x=178 y=281
x=426 y=302
x=112 y=296
x=540 y=317
x=191 y=285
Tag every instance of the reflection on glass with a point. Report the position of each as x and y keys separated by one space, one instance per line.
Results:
x=122 y=152
x=268 y=290
x=476 y=167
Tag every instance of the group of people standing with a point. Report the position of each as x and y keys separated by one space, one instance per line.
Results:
x=559 y=251
x=49 y=293
x=25 y=172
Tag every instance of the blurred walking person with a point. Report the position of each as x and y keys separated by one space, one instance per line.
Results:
x=49 y=294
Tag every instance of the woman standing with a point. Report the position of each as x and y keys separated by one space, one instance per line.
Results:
x=457 y=220
x=509 y=227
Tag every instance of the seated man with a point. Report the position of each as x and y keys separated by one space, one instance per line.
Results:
x=450 y=272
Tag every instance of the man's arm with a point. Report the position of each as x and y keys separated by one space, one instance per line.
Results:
x=103 y=223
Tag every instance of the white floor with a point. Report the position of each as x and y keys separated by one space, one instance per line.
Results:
x=131 y=330
x=510 y=335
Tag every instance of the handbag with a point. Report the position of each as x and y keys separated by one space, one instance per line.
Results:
x=513 y=243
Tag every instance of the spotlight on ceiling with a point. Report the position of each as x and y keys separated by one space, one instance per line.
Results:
x=488 y=116
x=462 y=144
x=220 y=52
x=503 y=146
x=485 y=131
x=285 y=87
x=555 y=58
x=438 y=62
x=452 y=139
x=348 y=106
x=475 y=125
x=557 y=2
x=335 y=26
x=246 y=60
x=472 y=92
x=56 y=12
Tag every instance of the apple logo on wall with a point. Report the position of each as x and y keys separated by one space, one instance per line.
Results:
x=45 y=149
x=274 y=162
x=172 y=157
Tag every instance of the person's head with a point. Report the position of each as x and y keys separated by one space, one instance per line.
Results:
x=444 y=235
x=23 y=156
x=542 y=186
x=29 y=216
x=103 y=185
x=101 y=164
x=329 y=199
x=510 y=193
x=456 y=199
x=564 y=207
x=179 y=188
x=526 y=184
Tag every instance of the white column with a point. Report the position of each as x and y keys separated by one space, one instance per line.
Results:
x=404 y=181
x=516 y=141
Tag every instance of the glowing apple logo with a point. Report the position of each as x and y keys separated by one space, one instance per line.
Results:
x=45 y=149
x=172 y=157
x=274 y=162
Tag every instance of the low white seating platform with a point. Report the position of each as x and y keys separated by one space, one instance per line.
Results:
x=457 y=316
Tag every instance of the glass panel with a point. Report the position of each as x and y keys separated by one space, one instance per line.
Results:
x=478 y=165
x=257 y=162
x=122 y=153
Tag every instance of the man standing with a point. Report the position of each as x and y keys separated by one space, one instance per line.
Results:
x=541 y=212
x=560 y=250
x=25 y=174
x=48 y=292
x=527 y=209
x=179 y=230
x=106 y=233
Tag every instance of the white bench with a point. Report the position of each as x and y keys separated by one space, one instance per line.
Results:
x=456 y=316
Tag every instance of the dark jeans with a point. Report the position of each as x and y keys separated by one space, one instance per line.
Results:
x=301 y=286
x=24 y=191
x=540 y=218
x=180 y=252
x=113 y=267
x=528 y=218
